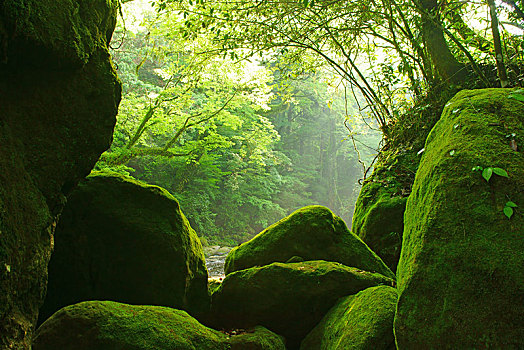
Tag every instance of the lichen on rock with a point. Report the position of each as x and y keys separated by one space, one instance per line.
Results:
x=312 y=233
x=460 y=274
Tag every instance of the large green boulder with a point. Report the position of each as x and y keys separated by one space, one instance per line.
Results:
x=289 y=299
x=312 y=233
x=460 y=275
x=379 y=220
x=59 y=96
x=107 y=325
x=122 y=240
x=357 y=322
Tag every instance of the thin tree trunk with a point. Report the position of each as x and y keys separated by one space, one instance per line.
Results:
x=499 y=57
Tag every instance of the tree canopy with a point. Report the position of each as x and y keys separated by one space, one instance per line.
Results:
x=248 y=110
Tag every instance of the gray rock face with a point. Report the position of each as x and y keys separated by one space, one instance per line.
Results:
x=59 y=95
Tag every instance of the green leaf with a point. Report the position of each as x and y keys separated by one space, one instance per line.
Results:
x=500 y=172
x=508 y=211
x=486 y=173
x=511 y=204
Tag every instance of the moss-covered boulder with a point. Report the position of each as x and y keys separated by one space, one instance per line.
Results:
x=257 y=338
x=379 y=220
x=460 y=276
x=289 y=299
x=312 y=233
x=360 y=322
x=62 y=33
x=122 y=240
x=107 y=325
x=57 y=113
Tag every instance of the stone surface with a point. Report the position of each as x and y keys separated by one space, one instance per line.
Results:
x=379 y=220
x=122 y=240
x=312 y=233
x=357 y=322
x=289 y=299
x=460 y=277
x=106 y=325
x=57 y=113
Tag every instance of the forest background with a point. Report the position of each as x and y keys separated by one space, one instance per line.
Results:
x=239 y=143
x=248 y=110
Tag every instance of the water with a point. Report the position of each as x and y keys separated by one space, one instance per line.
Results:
x=215 y=260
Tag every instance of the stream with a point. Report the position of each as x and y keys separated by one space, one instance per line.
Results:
x=215 y=260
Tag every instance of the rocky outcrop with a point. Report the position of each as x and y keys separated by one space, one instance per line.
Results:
x=59 y=95
x=460 y=275
x=289 y=299
x=110 y=325
x=379 y=219
x=122 y=240
x=357 y=322
x=311 y=233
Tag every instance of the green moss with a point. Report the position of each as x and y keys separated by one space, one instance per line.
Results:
x=361 y=321
x=460 y=272
x=110 y=325
x=123 y=240
x=58 y=110
x=379 y=221
x=57 y=33
x=107 y=325
x=289 y=299
x=213 y=285
x=313 y=233
x=258 y=338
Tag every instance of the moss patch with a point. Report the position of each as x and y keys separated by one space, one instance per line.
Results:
x=258 y=338
x=120 y=239
x=379 y=221
x=312 y=233
x=362 y=321
x=54 y=33
x=460 y=272
x=289 y=299
x=106 y=325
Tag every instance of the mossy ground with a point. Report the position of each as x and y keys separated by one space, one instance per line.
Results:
x=312 y=233
x=361 y=321
x=460 y=272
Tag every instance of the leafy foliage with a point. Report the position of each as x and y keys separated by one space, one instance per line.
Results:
x=240 y=145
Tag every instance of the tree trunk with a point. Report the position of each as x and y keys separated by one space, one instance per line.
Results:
x=447 y=65
x=501 y=69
